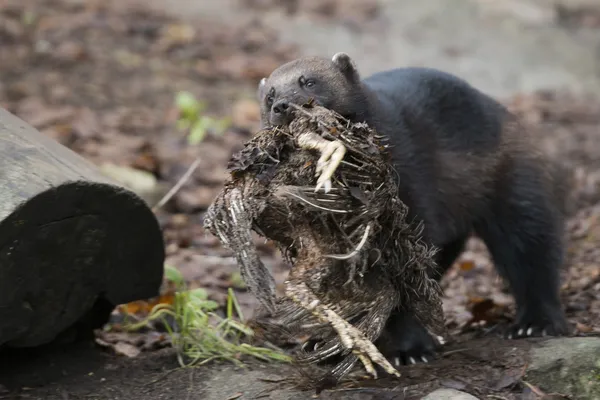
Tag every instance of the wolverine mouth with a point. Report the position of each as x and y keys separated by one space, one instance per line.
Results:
x=283 y=111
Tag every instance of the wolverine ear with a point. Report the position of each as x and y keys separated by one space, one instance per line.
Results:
x=346 y=66
x=261 y=89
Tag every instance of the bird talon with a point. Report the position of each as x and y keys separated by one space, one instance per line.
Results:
x=352 y=338
x=325 y=184
x=331 y=157
x=332 y=153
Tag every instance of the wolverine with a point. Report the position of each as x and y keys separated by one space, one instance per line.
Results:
x=465 y=166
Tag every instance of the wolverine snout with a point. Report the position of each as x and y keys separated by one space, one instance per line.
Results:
x=281 y=113
x=282 y=110
x=281 y=107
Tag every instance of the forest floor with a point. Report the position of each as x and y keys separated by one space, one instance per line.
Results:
x=101 y=78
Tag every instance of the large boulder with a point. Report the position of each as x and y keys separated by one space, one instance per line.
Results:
x=73 y=244
x=569 y=366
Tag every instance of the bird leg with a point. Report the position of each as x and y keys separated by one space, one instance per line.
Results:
x=351 y=337
x=332 y=153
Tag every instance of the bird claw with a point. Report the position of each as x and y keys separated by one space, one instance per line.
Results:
x=332 y=153
x=331 y=157
x=352 y=338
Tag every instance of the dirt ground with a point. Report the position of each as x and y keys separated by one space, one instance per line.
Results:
x=101 y=77
x=483 y=366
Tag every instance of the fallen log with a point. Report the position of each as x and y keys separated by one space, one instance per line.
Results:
x=73 y=244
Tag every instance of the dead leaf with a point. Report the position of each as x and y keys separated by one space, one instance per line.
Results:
x=534 y=389
x=507 y=381
x=137 y=180
x=126 y=349
x=142 y=307
x=482 y=311
x=583 y=328
x=467 y=265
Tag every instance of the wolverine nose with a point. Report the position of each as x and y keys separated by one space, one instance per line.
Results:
x=281 y=107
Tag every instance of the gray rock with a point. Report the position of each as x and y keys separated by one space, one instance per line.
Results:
x=569 y=366
x=449 y=394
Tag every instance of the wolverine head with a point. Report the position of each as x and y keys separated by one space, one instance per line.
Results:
x=333 y=84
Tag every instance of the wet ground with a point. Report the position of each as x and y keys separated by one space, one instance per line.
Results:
x=101 y=78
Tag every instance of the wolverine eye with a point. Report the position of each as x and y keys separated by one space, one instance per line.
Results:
x=270 y=97
x=306 y=82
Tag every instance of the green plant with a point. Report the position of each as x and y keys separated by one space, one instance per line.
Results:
x=203 y=335
x=191 y=117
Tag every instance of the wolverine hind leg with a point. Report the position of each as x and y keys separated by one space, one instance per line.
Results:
x=524 y=235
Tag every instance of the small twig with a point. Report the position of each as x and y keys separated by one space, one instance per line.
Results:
x=272 y=380
x=178 y=185
x=447 y=353
x=163 y=376
x=534 y=389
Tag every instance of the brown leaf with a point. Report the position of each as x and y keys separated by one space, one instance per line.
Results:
x=507 y=381
x=583 y=328
x=126 y=349
x=142 y=307
x=534 y=389
x=466 y=265
x=482 y=311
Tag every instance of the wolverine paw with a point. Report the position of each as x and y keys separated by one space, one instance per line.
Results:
x=414 y=350
x=405 y=341
x=536 y=326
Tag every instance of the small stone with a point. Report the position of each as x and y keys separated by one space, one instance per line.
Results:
x=449 y=394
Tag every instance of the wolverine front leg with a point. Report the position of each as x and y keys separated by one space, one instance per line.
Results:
x=332 y=153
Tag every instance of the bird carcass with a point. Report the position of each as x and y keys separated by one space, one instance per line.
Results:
x=325 y=191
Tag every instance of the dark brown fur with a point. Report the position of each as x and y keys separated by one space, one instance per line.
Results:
x=465 y=166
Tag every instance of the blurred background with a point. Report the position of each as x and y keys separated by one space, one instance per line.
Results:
x=146 y=88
